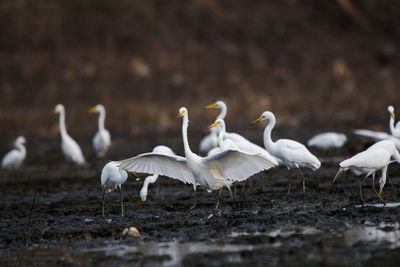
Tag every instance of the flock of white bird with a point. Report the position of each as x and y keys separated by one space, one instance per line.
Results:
x=231 y=158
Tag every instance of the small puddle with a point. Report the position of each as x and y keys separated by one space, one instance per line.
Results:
x=380 y=205
x=382 y=233
x=173 y=251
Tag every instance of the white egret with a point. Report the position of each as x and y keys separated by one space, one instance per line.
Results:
x=394 y=130
x=223 y=144
x=14 y=158
x=327 y=140
x=212 y=173
x=376 y=135
x=211 y=140
x=368 y=162
x=112 y=178
x=151 y=179
x=69 y=146
x=292 y=154
x=102 y=139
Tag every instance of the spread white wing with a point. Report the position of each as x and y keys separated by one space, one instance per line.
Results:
x=237 y=166
x=161 y=164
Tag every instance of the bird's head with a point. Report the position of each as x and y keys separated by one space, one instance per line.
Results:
x=97 y=108
x=391 y=111
x=266 y=115
x=58 y=109
x=182 y=111
x=20 y=141
x=219 y=104
x=218 y=123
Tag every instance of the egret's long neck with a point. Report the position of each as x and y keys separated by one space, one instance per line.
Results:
x=185 y=124
x=102 y=118
x=222 y=114
x=63 y=129
x=221 y=135
x=268 y=143
x=21 y=148
x=391 y=124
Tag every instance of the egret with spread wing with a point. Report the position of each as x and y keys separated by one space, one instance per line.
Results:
x=212 y=173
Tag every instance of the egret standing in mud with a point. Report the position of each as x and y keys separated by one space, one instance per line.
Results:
x=211 y=140
x=153 y=178
x=327 y=140
x=112 y=178
x=102 y=139
x=368 y=162
x=291 y=153
x=14 y=158
x=69 y=146
x=212 y=173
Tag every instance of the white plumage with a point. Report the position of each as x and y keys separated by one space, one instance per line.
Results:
x=223 y=144
x=151 y=179
x=376 y=135
x=211 y=172
x=292 y=154
x=14 y=158
x=69 y=146
x=394 y=130
x=375 y=158
x=327 y=140
x=211 y=141
x=113 y=177
x=102 y=139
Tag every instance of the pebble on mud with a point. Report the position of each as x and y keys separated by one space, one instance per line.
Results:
x=132 y=231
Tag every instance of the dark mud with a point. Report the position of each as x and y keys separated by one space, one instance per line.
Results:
x=264 y=226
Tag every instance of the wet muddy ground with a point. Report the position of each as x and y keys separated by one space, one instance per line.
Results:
x=264 y=226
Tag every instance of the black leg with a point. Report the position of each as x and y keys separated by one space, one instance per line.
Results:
x=304 y=180
x=290 y=182
x=194 y=204
x=217 y=197
x=104 y=191
x=361 y=195
x=121 y=200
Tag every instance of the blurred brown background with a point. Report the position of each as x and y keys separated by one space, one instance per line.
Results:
x=319 y=60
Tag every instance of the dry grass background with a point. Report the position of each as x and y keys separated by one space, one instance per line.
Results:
x=143 y=59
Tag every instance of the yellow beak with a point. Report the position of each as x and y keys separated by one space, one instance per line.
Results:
x=92 y=110
x=180 y=114
x=211 y=106
x=380 y=191
x=143 y=199
x=257 y=120
x=134 y=173
x=214 y=124
x=391 y=114
x=55 y=111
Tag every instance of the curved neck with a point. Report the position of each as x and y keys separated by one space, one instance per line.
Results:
x=63 y=129
x=102 y=118
x=222 y=114
x=21 y=148
x=221 y=135
x=391 y=124
x=268 y=143
x=185 y=124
